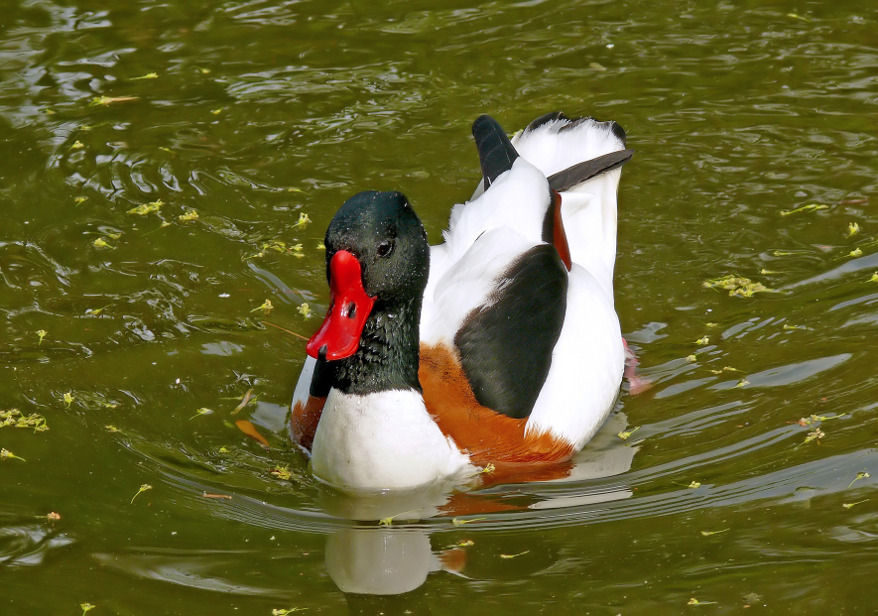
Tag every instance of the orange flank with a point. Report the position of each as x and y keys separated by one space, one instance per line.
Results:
x=559 y=235
x=487 y=436
x=304 y=419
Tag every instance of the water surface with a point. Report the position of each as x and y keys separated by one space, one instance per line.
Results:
x=159 y=163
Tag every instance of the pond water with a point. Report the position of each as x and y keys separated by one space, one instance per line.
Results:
x=157 y=161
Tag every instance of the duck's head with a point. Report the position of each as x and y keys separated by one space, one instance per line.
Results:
x=377 y=264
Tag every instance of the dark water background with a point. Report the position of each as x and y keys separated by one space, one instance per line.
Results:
x=119 y=328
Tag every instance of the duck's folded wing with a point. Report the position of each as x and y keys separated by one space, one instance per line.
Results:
x=506 y=344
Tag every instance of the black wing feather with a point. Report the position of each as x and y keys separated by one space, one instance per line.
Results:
x=580 y=172
x=496 y=152
x=506 y=347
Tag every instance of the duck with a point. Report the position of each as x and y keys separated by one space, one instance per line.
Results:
x=499 y=348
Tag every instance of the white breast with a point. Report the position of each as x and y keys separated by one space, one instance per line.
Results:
x=382 y=441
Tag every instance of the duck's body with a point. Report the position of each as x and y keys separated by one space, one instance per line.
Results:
x=500 y=346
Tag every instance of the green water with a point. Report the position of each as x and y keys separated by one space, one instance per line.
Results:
x=261 y=111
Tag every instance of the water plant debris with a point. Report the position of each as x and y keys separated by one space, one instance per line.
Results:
x=737 y=286
x=142 y=489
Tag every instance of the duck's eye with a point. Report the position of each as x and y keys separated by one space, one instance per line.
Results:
x=385 y=248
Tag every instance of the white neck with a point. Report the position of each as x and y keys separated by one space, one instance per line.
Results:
x=385 y=440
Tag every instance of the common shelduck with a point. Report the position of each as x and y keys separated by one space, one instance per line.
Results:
x=499 y=347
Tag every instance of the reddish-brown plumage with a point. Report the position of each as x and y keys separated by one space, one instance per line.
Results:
x=487 y=436
x=304 y=419
x=559 y=235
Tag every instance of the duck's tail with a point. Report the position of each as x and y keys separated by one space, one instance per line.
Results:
x=582 y=159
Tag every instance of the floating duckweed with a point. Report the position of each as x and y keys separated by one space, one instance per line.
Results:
x=147 y=208
x=305 y=310
x=188 y=215
x=694 y=601
x=80 y=200
x=703 y=340
x=814 y=435
x=303 y=221
x=77 y=145
x=860 y=475
x=736 y=285
x=16 y=419
x=849 y=505
x=281 y=472
x=266 y=307
x=95 y=312
x=694 y=485
x=742 y=383
x=724 y=369
x=807 y=421
x=147 y=76
x=202 y=411
x=42 y=334
x=874 y=277
x=285 y=611
x=853 y=229
x=5 y=454
x=691 y=359
x=805 y=208
x=856 y=252
x=388 y=521
x=109 y=100
x=217 y=111
x=277 y=246
x=708 y=533
x=626 y=434
x=86 y=607
x=510 y=556
x=68 y=399
x=112 y=429
x=101 y=243
x=461 y=521
x=142 y=489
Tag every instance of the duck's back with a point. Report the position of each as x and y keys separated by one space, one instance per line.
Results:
x=536 y=337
